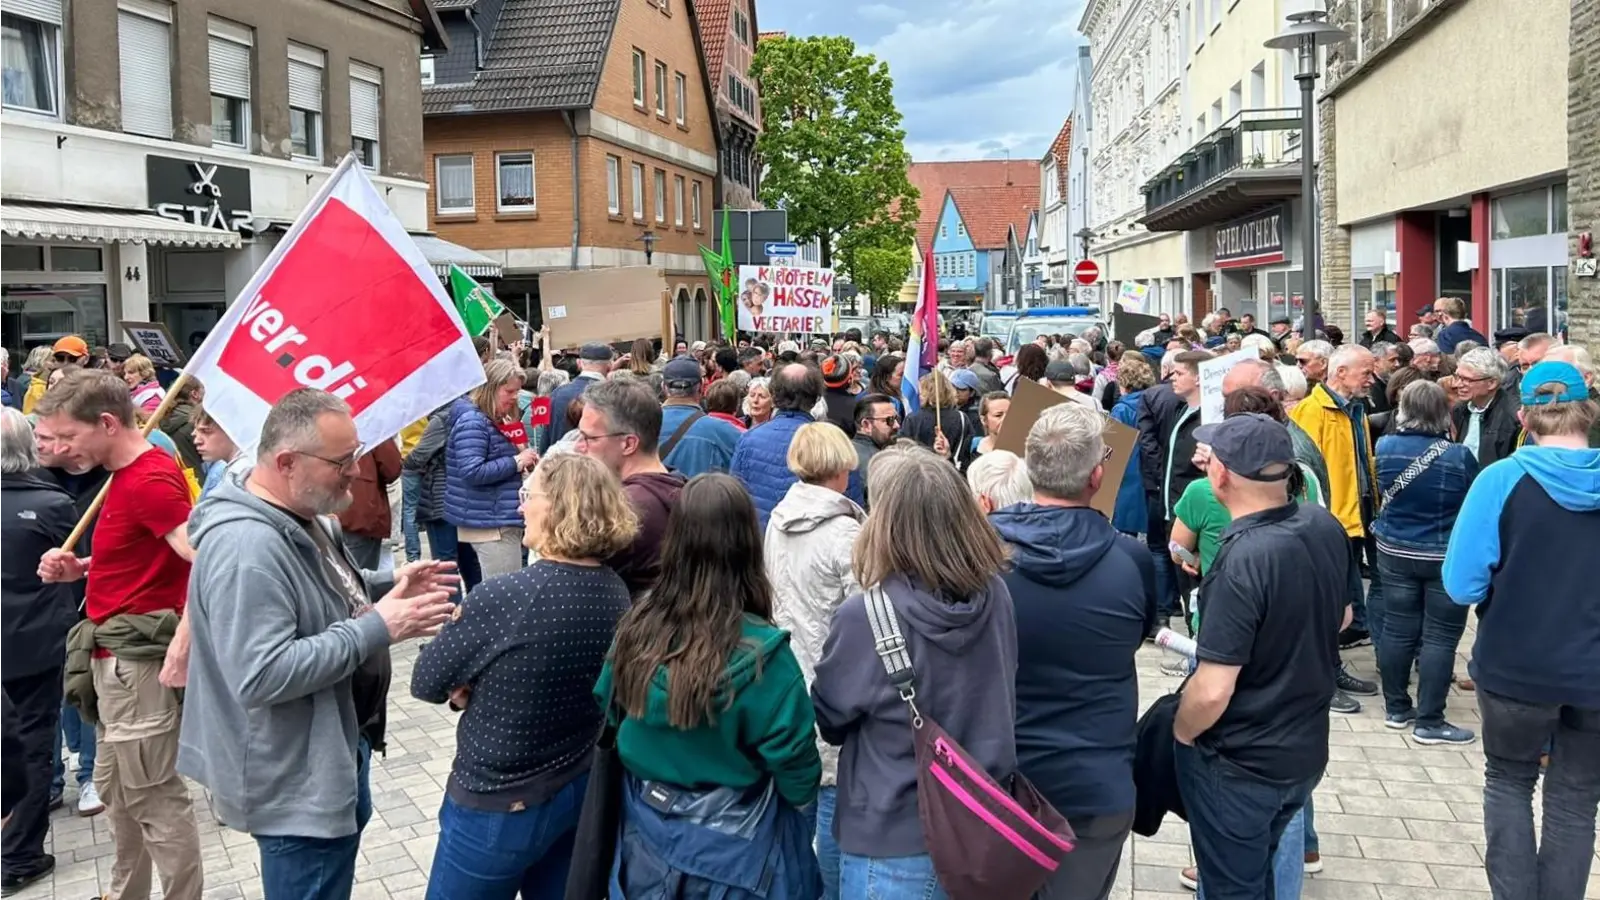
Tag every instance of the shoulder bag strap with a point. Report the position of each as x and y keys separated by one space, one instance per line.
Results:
x=677 y=435
x=1415 y=469
x=890 y=644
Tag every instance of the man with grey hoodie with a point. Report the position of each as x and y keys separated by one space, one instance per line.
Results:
x=289 y=657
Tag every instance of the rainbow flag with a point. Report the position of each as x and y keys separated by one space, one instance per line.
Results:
x=922 y=351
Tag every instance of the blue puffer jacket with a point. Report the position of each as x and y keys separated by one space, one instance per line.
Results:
x=761 y=460
x=1131 y=514
x=481 y=478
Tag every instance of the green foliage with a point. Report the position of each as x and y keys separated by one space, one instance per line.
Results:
x=834 y=151
x=880 y=272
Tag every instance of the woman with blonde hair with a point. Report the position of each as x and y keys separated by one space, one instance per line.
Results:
x=808 y=551
x=939 y=424
x=483 y=469
x=140 y=374
x=927 y=546
x=521 y=767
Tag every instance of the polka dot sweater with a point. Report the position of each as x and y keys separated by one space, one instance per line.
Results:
x=530 y=645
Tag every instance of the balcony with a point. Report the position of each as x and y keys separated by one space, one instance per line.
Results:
x=1251 y=161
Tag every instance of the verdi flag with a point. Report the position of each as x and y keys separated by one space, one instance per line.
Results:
x=477 y=306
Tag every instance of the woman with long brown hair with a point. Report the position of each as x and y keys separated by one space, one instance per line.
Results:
x=713 y=721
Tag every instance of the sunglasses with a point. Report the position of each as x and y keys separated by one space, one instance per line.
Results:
x=66 y=357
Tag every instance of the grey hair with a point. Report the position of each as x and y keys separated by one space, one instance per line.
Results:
x=1169 y=361
x=1064 y=447
x=741 y=378
x=291 y=424
x=1344 y=355
x=1424 y=408
x=763 y=382
x=1465 y=347
x=551 y=379
x=1001 y=476
x=1295 y=386
x=38 y=358
x=630 y=407
x=1267 y=375
x=1321 y=349
x=19 y=453
x=1382 y=349
x=1080 y=364
x=1419 y=346
x=1535 y=340
x=1486 y=362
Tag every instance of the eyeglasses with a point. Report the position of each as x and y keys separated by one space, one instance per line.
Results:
x=525 y=493
x=889 y=419
x=345 y=462
x=591 y=438
x=1304 y=362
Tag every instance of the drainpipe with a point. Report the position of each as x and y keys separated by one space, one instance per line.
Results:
x=577 y=189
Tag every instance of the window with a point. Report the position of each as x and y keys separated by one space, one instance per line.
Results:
x=1522 y=215
x=427 y=70
x=513 y=179
x=961 y=229
x=638 y=192
x=305 y=102
x=741 y=95
x=677 y=200
x=366 y=96
x=741 y=27
x=1558 y=208
x=680 y=96
x=694 y=205
x=661 y=89
x=944 y=231
x=144 y=49
x=660 y=185
x=230 y=84
x=613 y=185
x=454 y=183
x=30 y=76
x=638 y=78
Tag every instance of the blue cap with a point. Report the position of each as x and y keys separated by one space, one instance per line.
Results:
x=964 y=380
x=1553 y=374
x=683 y=370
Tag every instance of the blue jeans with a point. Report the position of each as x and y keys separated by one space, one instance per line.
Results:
x=490 y=855
x=410 y=492
x=1366 y=610
x=1422 y=625
x=79 y=738
x=889 y=878
x=1313 y=845
x=1288 y=861
x=827 y=847
x=442 y=541
x=305 y=868
x=1236 y=822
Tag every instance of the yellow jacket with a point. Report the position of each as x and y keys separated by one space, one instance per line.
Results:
x=36 y=389
x=1330 y=428
x=411 y=435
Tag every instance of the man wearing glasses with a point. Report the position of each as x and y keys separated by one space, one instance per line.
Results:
x=876 y=428
x=1312 y=358
x=1485 y=419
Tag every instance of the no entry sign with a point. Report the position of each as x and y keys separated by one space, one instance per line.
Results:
x=1087 y=271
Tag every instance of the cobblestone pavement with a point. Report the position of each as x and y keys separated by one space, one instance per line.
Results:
x=1397 y=821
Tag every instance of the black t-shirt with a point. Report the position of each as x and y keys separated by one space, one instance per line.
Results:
x=1274 y=600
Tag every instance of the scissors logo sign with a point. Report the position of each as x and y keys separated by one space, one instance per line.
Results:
x=207 y=194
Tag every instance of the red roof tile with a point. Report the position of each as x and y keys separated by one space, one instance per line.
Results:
x=933 y=179
x=1061 y=149
x=714 y=15
x=770 y=35
x=989 y=212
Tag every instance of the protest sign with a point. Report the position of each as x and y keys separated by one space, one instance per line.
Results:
x=345 y=303
x=1029 y=400
x=515 y=432
x=156 y=342
x=785 y=299
x=1126 y=325
x=603 y=305
x=1212 y=371
x=539 y=411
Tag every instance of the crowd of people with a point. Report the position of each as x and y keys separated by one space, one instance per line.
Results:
x=687 y=555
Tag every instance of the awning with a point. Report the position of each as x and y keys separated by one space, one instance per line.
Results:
x=67 y=223
x=442 y=255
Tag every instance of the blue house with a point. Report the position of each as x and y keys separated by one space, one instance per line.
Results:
x=960 y=270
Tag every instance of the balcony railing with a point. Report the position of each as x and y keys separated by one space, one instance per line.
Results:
x=1252 y=139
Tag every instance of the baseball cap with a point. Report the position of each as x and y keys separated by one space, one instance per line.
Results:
x=788 y=347
x=1425 y=311
x=594 y=351
x=964 y=380
x=1061 y=372
x=835 y=370
x=1553 y=373
x=119 y=352
x=1250 y=445
x=682 y=370
x=72 y=344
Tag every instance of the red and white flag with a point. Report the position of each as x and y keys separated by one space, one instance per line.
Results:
x=345 y=303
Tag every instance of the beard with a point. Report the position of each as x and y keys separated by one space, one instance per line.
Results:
x=325 y=502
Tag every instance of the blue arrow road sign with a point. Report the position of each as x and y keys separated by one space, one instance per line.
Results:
x=781 y=248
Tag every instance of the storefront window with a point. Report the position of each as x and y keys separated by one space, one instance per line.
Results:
x=1558 y=208
x=1522 y=215
x=75 y=259
x=1559 y=296
x=34 y=314
x=22 y=258
x=1526 y=297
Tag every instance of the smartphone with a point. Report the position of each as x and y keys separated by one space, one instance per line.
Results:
x=1183 y=553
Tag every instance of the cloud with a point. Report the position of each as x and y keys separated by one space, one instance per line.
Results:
x=972 y=79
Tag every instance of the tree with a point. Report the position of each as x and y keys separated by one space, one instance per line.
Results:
x=834 y=150
x=879 y=272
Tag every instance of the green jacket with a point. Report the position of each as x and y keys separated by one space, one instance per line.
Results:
x=130 y=636
x=769 y=730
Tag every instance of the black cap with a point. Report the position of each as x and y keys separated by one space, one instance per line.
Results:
x=1250 y=445
x=594 y=351
x=119 y=352
x=1061 y=372
x=682 y=371
x=835 y=370
x=1511 y=335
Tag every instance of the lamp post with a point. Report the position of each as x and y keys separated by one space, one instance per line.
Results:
x=1305 y=33
x=649 y=238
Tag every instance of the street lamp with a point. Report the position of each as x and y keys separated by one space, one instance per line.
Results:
x=649 y=238
x=1085 y=235
x=1306 y=32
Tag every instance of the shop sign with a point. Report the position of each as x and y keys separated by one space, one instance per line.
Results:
x=200 y=193
x=1253 y=241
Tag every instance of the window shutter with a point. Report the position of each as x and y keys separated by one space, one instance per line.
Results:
x=305 y=86
x=230 y=68
x=145 y=48
x=48 y=11
x=365 y=98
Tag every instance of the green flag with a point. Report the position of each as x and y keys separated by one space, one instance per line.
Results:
x=477 y=306
x=729 y=284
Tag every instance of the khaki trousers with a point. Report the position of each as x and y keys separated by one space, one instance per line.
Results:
x=136 y=774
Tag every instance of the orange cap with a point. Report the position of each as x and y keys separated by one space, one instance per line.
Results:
x=72 y=344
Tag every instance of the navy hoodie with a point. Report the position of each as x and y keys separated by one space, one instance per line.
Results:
x=1520 y=548
x=965 y=657
x=1085 y=598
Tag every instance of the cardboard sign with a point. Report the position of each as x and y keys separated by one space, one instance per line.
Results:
x=603 y=305
x=1212 y=371
x=516 y=433
x=1029 y=400
x=785 y=299
x=1126 y=325
x=506 y=328
x=155 y=341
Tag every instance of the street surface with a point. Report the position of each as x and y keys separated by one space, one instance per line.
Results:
x=1397 y=821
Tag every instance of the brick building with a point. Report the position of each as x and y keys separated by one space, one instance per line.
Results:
x=728 y=34
x=1583 y=167
x=574 y=134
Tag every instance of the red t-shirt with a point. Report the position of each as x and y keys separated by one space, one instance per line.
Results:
x=133 y=569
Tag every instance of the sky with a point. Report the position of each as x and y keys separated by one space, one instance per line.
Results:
x=973 y=78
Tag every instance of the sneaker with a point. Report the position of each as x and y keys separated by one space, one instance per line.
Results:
x=1466 y=684
x=56 y=802
x=1398 y=721
x=89 y=801
x=1358 y=686
x=1354 y=637
x=1344 y=703
x=1190 y=878
x=1442 y=734
x=10 y=883
x=1313 y=862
